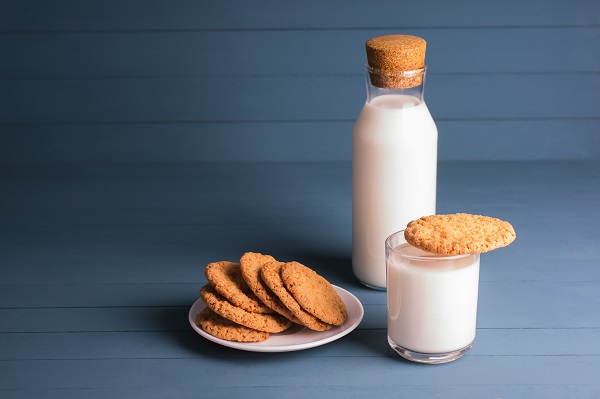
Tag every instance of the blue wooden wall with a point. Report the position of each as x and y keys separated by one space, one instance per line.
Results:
x=170 y=81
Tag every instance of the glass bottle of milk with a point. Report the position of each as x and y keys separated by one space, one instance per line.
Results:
x=394 y=153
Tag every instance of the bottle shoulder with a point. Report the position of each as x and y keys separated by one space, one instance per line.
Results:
x=374 y=120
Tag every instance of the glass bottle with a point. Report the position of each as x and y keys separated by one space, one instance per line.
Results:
x=394 y=153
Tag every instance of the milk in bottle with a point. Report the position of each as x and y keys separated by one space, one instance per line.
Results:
x=394 y=153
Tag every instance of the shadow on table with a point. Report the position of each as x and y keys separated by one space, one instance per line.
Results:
x=173 y=321
x=334 y=267
x=187 y=343
x=183 y=340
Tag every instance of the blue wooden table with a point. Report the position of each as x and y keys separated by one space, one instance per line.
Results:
x=142 y=139
x=100 y=264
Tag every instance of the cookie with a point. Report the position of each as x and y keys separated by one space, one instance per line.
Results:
x=459 y=234
x=250 y=265
x=272 y=323
x=226 y=278
x=314 y=293
x=220 y=327
x=271 y=275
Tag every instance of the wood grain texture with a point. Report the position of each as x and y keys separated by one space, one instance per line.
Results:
x=100 y=264
x=289 y=53
x=73 y=15
x=192 y=81
x=231 y=99
x=214 y=377
x=185 y=344
x=142 y=140
x=315 y=141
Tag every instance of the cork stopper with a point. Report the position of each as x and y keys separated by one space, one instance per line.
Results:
x=396 y=61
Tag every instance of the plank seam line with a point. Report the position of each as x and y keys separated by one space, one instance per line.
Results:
x=560 y=355
x=97 y=331
x=195 y=388
x=286 y=121
x=97 y=307
x=359 y=329
x=298 y=29
x=289 y=75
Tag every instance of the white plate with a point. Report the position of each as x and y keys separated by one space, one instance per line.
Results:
x=297 y=337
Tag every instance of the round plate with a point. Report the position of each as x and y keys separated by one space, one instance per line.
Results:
x=295 y=338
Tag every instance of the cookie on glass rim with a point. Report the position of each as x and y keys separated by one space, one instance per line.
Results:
x=459 y=234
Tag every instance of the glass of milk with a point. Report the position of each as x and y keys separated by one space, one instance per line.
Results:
x=431 y=300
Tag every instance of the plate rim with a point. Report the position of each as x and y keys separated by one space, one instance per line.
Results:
x=256 y=347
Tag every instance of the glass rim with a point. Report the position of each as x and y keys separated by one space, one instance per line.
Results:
x=430 y=256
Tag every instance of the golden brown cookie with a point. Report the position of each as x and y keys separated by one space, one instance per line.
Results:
x=314 y=293
x=272 y=323
x=226 y=278
x=458 y=234
x=220 y=327
x=271 y=275
x=250 y=265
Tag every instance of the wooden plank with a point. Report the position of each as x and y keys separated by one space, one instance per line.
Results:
x=450 y=392
x=298 y=98
x=360 y=372
x=43 y=296
x=188 y=344
x=288 y=141
x=109 y=198
x=500 y=390
x=71 y=15
x=180 y=264
x=157 y=54
x=24 y=220
x=70 y=335
x=164 y=265
x=56 y=245
x=186 y=267
x=511 y=304
x=111 y=289
x=169 y=263
x=72 y=295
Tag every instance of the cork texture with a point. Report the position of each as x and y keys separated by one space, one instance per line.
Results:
x=396 y=61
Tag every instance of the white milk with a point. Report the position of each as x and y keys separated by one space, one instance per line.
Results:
x=394 y=158
x=432 y=304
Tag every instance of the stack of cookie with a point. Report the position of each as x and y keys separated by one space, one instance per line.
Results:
x=249 y=300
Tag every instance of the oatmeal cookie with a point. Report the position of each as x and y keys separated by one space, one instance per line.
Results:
x=272 y=323
x=220 y=327
x=226 y=278
x=459 y=234
x=271 y=275
x=250 y=265
x=314 y=293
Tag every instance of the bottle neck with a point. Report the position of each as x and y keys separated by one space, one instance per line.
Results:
x=408 y=83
